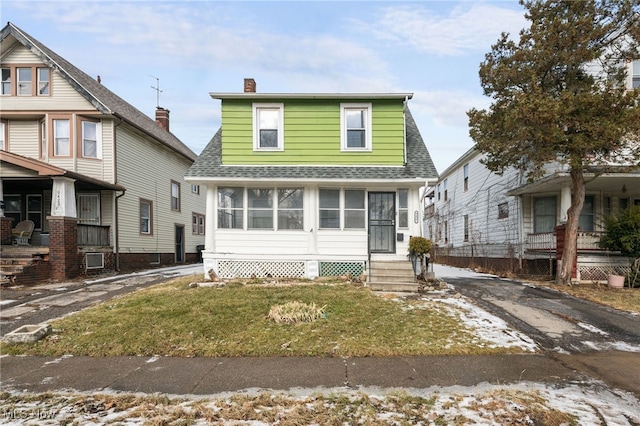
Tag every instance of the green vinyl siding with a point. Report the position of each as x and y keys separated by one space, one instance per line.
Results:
x=312 y=134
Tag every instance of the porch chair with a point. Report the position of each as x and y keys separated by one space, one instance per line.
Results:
x=22 y=232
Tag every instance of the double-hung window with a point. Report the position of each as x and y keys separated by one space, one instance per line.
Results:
x=230 y=208
x=342 y=209
x=61 y=137
x=6 y=81
x=197 y=224
x=586 y=221
x=91 y=139
x=355 y=127
x=465 y=183
x=146 y=217
x=25 y=81
x=88 y=207
x=268 y=127
x=175 y=196
x=290 y=208
x=3 y=135
x=544 y=214
x=635 y=82
x=44 y=77
x=260 y=208
x=403 y=208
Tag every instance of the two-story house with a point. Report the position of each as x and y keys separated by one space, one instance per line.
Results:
x=311 y=184
x=84 y=166
x=477 y=218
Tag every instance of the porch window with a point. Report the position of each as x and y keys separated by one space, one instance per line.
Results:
x=587 y=215
x=146 y=217
x=636 y=74
x=290 y=208
x=89 y=209
x=544 y=214
x=355 y=127
x=403 y=208
x=230 y=208
x=34 y=210
x=25 y=81
x=354 y=210
x=260 y=208
x=268 y=127
x=13 y=208
x=61 y=138
x=330 y=208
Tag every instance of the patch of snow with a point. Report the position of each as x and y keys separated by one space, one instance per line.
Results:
x=487 y=326
x=153 y=359
x=612 y=346
x=4 y=302
x=444 y=271
x=592 y=328
x=58 y=360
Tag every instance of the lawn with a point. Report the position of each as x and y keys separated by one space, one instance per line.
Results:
x=174 y=319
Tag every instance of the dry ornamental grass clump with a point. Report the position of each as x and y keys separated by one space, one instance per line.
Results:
x=295 y=312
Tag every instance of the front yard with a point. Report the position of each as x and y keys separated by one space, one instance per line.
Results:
x=175 y=319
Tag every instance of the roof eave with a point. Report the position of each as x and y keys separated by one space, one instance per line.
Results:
x=254 y=95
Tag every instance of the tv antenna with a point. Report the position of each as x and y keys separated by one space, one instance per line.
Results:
x=157 y=89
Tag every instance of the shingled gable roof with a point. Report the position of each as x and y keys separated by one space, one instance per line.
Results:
x=419 y=165
x=98 y=95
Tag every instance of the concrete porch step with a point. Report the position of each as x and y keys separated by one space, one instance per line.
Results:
x=392 y=275
x=395 y=286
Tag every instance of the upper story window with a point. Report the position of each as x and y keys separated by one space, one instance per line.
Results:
x=44 y=83
x=439 y=187
x=268 y=127
x=355 y=127
x=29 y=80
x=446 y=191
x=91 y=143
x=3 y=135
x=6 y=81
x=61 y=137
x=465 y=183
x=175 y=196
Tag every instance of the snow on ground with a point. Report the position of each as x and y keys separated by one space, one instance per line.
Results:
x=445 y=271
x=486 y=326
x=485 y=404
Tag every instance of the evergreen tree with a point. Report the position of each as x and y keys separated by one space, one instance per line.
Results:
x=560 y=94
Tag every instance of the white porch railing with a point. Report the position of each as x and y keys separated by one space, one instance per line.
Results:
x=546 y=241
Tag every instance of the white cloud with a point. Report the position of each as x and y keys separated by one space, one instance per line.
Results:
x=447 y=108
x=471 y=27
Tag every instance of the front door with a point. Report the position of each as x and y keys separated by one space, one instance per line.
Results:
x=179 y=243
x=382 y=222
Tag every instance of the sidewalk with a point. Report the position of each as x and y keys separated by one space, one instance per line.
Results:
x=207 y=376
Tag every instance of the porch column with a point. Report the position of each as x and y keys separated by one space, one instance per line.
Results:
x=63 y=230
x=208 y=260
x=565 y=202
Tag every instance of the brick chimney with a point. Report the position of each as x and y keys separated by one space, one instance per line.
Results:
x=249 y=85
x=162 y=118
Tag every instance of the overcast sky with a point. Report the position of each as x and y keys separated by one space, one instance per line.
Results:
x=429 y=48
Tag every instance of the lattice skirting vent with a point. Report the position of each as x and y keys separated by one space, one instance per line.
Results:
x=260 y=269
x=336 y=269
x=587 y=272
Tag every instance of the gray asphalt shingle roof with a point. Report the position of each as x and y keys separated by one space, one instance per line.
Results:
x=97 y=94
x=419 y=164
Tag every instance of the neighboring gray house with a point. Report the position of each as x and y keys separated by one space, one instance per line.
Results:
x=82 y=164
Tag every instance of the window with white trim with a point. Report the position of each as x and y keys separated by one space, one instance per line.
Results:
x=446 y=191
x=268 y=127
x=635 y=80
x=61 y=137
x=44 y=81
x=6 y=81
x=341 y=209
x=290 y=208
x=260 y=208
x=403 y=208
x=230 y=208
x=3 y=135
x=91 y=141
x=175 y=196
x=146 y=217
x=465 y=182
x=586 y=221
x=197 y=224
x=544 y=214
x=355 y=127
x=25 y=81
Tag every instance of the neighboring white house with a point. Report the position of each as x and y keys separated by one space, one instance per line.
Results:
x=83 y=165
